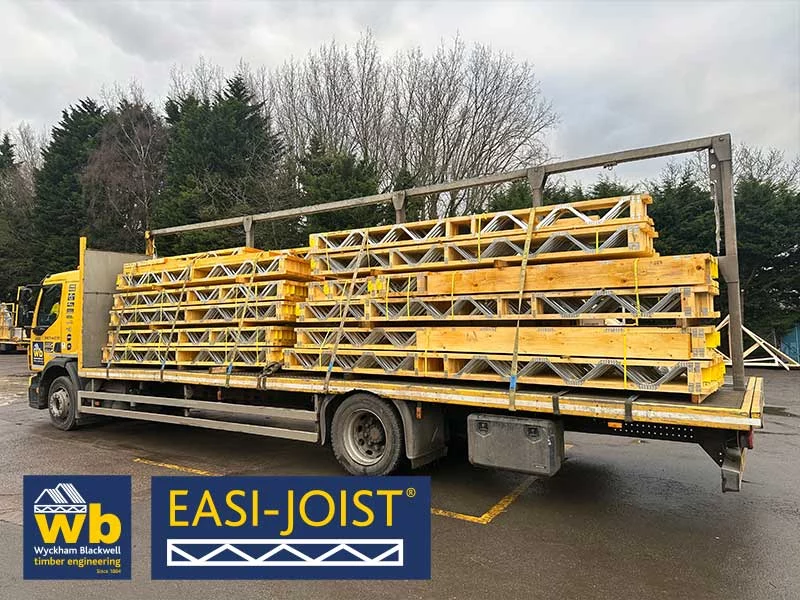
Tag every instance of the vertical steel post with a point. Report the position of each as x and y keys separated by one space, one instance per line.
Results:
x=536 y=179
x=249 y=234
x=721 y=170
x=399 y=202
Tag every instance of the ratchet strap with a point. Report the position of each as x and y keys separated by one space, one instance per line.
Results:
x=512 y=380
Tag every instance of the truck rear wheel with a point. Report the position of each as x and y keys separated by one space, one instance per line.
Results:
x=367 y=436
x=61 y=398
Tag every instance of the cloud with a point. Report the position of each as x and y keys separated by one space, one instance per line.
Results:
x=620 y=74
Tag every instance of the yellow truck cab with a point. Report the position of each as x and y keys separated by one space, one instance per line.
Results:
x=54 y=345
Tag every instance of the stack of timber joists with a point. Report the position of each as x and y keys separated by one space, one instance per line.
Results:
x=591 y=306
x=232 y=308
x=571 y=295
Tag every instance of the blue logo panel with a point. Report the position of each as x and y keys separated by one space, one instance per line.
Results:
x=37 y=353
x=291 y=528
x=76 y=527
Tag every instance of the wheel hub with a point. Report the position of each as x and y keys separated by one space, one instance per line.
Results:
x=366 y=437
x=59 y=403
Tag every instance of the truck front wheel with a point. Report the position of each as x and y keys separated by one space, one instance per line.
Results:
x=367 y=436
x=61 y=398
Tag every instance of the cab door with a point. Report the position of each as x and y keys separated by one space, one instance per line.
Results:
x=46 y=333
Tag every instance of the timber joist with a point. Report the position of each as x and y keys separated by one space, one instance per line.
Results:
x=229 y=293
x=590 y=243
x=212 y=336
x=651 y=343
x=697 y=271
x=698 y=378
x=233 y=268
x=230 y=314
x=648 y=303
x=209 y=356
x=645 y=303
x=560 y=217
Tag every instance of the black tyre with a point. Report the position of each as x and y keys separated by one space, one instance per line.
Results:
x=61 y=403
x=367 y=436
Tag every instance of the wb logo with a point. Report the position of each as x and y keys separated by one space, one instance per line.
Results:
x=37 y=353
x=62 y=511
x=76 y=527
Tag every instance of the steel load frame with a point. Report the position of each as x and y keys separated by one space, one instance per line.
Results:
x=719 y=148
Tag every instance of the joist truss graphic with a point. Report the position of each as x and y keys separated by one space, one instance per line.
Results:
x=285 y=553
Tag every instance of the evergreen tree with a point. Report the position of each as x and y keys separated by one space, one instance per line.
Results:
x=15 y=260
x=222 y=159
x=768 y=222
x=608 y=187
x=683 y=212
x=327 y=176
x=7 y=159
x=60 y=211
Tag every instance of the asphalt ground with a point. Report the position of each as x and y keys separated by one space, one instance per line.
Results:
x=624 y=518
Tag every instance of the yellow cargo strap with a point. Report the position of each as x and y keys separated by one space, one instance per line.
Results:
x=452 y=294
x=408 y=297
x=624 y=358
x=512 y=380
x=636 y=288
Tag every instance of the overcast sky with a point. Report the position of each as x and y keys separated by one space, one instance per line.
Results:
x=620 y=74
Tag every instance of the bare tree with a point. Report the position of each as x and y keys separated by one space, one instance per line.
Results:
x=203 y=81
x=125 y=172
x=457 y=113
x=28 y=146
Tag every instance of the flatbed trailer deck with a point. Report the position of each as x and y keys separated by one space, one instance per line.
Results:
x=725 y=409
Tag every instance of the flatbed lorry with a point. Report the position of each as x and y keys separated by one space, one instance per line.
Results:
x=398 y=420
x=15 y=319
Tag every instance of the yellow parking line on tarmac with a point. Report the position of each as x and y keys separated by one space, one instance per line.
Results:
x=181 y=468
x=493 y=512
